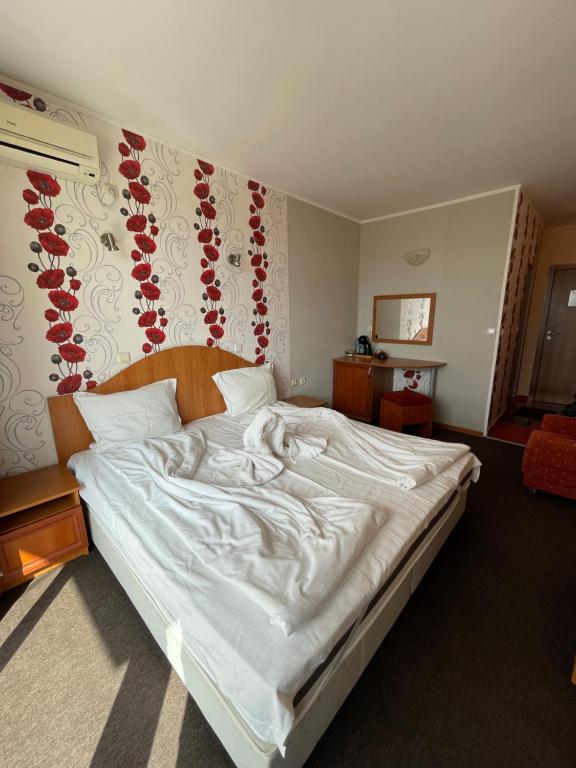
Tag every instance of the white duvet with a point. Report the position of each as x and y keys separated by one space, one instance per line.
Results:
x=285 y=553
x=226 y=630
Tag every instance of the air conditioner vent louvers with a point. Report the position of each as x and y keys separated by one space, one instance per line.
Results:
x=33 y=141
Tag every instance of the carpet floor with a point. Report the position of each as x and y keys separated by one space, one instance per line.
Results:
x=475 y=672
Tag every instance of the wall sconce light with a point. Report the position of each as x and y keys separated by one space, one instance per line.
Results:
x=418 y=257
x=107 y=240
x=234 y=259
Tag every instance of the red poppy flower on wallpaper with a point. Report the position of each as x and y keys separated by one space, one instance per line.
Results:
x=147 y=319
x=202 y=190
x=145 y=243
x=142 y=271
x=75 y=284
x=136 y=255
x=261 y=308
x=63 y=300
x=72 y=353
x=44 y=183
x=53 y=244
x=257 y=294
x=205 y=236
x=15 y=93
x=253 y=185
x=136 y=223
x=150 y=291
x=51 y=315
x=39 y=218
x=136 y=141
x=124 y=149
x=254 y=222
x=260 y=274
x=259 y=237
x=69 y=384
x=59 y=333
x=208 y=276
x=211 y=253
x=139 y=192
x=155 y=335
x=50 y=278
x=216 y=331
x=211 y=316
x=130 y=169
x=208 y=168
x=260 y=360
x=154 y=230
x=213 y=293
x=263 y=341
x=258 y=199
x=30 y=196
x=256 y=260
x=259 y=329
x=146 y=348
x=208 y=209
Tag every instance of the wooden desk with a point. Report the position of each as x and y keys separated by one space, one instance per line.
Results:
x=359 y=382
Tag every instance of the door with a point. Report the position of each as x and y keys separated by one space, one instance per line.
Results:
x=556 y=369
x=352 y=390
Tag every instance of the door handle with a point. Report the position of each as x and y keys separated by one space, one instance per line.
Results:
x=549 y=334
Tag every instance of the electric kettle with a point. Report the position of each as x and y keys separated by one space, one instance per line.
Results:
x=362 y=346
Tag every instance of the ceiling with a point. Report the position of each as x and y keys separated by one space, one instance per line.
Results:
x=365 y=107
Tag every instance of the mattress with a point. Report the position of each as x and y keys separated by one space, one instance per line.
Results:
x=253 y=663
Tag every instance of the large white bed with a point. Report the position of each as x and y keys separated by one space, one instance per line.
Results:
x=267 y=693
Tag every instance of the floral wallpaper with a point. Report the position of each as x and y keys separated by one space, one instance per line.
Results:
x=525 y=241
x=68 y=306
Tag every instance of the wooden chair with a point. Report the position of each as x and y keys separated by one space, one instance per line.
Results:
x=404 y=408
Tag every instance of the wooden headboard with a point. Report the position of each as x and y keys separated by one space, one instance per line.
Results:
x=196 y=394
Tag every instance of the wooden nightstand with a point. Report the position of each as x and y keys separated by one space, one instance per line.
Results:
x=41 y=523
x=305 y=401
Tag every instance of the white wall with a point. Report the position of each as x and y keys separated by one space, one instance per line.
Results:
x=323 y=280
x=469 y=242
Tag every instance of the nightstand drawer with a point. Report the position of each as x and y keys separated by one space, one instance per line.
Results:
x=38 y=545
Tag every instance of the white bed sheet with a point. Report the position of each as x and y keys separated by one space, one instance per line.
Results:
x=253 y=663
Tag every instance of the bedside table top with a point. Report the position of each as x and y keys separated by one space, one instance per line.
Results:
x=29 y=489
x=305 y=401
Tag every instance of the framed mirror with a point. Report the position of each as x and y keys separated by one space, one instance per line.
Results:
x=404 y=318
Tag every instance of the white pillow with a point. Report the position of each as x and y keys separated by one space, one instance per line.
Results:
x=246 y=388
x=127 y=417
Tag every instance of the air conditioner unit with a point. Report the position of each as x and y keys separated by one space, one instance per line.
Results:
x=35 y=142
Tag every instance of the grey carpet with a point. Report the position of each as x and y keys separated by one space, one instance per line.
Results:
x=475 y=673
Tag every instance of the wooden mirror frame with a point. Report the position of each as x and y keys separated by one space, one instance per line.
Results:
x=432 y=296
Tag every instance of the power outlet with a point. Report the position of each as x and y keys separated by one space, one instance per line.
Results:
x=293 y=382
x=123 y=357
x=302 y=381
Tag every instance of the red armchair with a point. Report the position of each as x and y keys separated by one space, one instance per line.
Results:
x=549 y=462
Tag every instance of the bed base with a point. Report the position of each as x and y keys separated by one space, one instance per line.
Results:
x=318 y=707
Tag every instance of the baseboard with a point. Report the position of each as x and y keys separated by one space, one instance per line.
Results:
x=463 y=430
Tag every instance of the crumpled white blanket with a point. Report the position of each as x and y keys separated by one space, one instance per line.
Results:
x=269 y=434
x=402 y=461
x=287 y=554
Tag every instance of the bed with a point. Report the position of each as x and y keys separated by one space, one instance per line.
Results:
x=268 y=696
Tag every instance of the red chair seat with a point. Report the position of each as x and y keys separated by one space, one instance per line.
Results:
x=407 y=397
x=406 y=408
x=549 y=462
